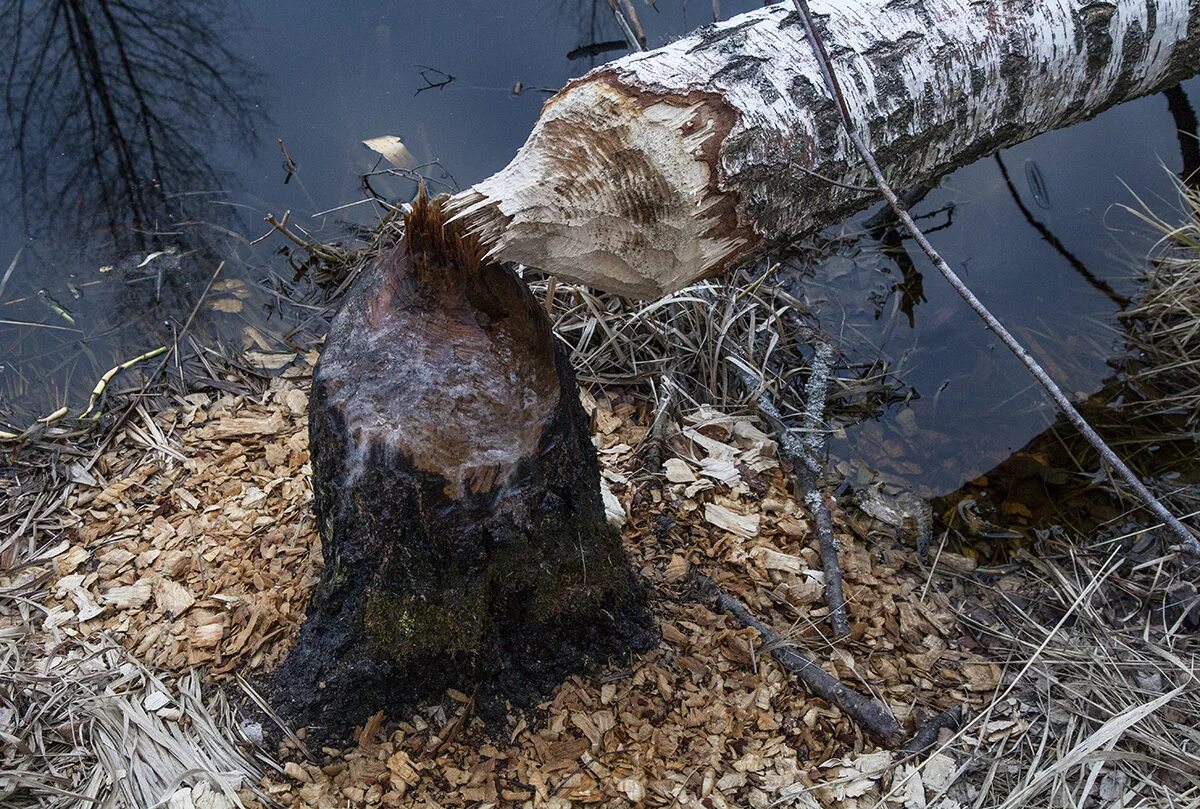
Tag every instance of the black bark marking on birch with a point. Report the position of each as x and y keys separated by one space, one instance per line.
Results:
x=1187 y=52
x=749 y=69
x=711 y=35
x=1095 y=20
x=458 y=497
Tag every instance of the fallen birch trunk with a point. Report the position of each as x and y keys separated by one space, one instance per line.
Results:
x=676 y=164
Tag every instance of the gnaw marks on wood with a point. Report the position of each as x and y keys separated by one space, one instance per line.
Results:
x=457 y=491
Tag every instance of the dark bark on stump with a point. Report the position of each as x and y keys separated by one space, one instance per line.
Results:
x=458 y=497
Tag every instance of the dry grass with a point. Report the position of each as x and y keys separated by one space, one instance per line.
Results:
x=1163 y=324
x=1103 y=696
x=84 y=723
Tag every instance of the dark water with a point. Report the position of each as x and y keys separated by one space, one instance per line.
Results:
x=1056 y=283
x=136 y=127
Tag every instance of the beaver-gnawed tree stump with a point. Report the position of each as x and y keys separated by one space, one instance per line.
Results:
x=458 y=497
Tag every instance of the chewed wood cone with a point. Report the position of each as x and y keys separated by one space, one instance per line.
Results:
x=458 y=497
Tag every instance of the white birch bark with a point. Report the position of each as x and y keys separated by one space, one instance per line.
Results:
x=675 y=164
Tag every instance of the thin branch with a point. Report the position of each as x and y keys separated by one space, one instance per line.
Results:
x=654 y=449
x=1187 y=540
x=430 y=84
x=927 y=734
x=874 y=716
x=635 y=42
x=805 y=454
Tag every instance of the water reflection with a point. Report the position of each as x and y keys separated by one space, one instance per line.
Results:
x=111 y=107
x=1037 y=232
x=1048 y=236
x=1186 y=127
x=111 y=110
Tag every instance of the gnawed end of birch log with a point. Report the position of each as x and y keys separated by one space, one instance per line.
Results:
x=458 y=496
x=673 y=165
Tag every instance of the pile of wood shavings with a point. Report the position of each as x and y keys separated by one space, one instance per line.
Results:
x=197 y=548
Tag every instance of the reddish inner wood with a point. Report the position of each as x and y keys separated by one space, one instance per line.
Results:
x=454 y=365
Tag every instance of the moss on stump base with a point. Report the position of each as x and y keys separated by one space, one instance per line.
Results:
x=458 y=497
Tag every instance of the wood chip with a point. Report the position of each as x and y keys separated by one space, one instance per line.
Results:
x=238 y=427
x=745 y=525
x=678 y=471
x=774 y=560
x=173 y=599
x=128 y=597
x=225 y=547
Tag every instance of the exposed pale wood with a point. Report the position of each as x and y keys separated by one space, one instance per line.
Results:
x=675 y=164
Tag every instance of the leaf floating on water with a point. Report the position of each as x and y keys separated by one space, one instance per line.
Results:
x=169 y=251
x=393 y=150
x=1037 y=185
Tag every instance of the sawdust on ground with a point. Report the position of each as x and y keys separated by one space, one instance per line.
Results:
x=196 y=548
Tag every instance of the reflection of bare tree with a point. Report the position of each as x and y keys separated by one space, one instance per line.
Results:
x=113 y=104
x=599 y=32
x=1186 y=127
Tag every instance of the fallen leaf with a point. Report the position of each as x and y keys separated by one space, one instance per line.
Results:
x=393 y=150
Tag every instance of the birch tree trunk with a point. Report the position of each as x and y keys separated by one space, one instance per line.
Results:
x=676 y=164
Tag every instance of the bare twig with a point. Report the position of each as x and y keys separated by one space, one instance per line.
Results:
x=804 y=454
x=635 y=22
x=636 y=42
x=430 y=84
x=1187 y=540
x=927 y=734
x=289 y=165
x=322 y=252
x=809 y=468
x=874 y=716
x=12 y=265
x=656 y=437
